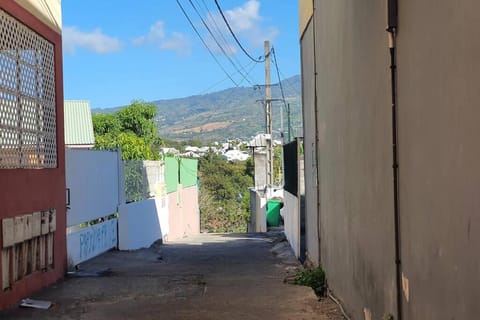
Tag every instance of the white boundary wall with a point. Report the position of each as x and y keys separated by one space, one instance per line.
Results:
x=291 y=216
x=89 y=242
x=95 y=182
x=142 y=223
x=92 y=177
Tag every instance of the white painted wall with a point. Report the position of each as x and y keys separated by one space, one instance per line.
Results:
x=88 y=242
x=142 y=223
x=291 y=216
x=92 y=177
x=261 y=214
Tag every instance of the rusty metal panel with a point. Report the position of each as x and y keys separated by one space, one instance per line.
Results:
x=6 y=253
x=36 y=224
x=27 y=226
x=45 y=223
x=35 y=254
x=19 y=228
x=8 y=231
x=42 y=252
x=17 y=262
x=52 y=221
x=50 y=249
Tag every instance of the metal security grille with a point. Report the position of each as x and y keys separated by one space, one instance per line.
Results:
x=27 y=97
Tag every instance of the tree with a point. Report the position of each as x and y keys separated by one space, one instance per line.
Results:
x=132 y=129
x=138 y=118
x=224 y=194
x=104 y=123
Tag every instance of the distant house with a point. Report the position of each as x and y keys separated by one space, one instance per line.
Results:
x=236 y=155
x=78 y=124
x=169 y=150
x=192 y=149
x=190 y=154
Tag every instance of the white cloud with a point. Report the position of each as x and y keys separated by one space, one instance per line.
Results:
x=246 y=22
x=178 y=43
x=229 y=48
x=94 y=41
x=157 y=36
x=245 y=17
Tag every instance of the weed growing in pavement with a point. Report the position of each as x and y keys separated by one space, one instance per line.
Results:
x=314 y=278
x=388 y=316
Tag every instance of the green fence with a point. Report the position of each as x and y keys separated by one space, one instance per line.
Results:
x=178 y=170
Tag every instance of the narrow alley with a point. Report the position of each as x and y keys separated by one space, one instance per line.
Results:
x=209 y=276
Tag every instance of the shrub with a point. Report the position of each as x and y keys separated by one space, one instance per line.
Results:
x=314 y=278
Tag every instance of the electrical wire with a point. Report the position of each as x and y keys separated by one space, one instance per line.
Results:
x=278 y=77
x=218 y=44
x=205 y=44
x=213 y=22
x=225 y=79
x=290 y=85
x=235 y=37
x=231 y=93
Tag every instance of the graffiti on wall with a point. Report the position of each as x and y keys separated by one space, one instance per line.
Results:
x=91 y=241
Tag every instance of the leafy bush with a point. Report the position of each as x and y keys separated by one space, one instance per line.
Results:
x=224 y=198
x=314 y=278
x=131 y=129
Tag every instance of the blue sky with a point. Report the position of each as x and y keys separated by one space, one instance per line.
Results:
x=116 y=51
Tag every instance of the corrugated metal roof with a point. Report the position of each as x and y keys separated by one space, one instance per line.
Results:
x=78 y=123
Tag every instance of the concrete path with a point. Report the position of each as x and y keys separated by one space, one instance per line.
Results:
x=222 y=276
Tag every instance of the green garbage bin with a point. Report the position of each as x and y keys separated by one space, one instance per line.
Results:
x=273 y=212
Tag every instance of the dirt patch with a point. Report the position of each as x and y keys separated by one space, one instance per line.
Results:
x=212 y=126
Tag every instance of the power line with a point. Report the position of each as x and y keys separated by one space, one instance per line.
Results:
x=218 y=44
x=205 y=44
x=281 y=89
x=219 y=30
x=231 y=93
x=278 y=77
x=225 y=79
x=289 y=84
x=235 y=37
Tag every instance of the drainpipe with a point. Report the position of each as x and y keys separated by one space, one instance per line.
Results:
x=392 y=35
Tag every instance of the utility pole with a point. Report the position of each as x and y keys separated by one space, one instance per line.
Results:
x=268 y=119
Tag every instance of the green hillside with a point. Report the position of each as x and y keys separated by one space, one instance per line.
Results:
x=231 y=113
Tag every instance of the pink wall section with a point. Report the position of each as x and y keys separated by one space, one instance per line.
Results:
x=184 y=215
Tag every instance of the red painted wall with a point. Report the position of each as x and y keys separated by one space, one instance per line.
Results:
x=25 y=191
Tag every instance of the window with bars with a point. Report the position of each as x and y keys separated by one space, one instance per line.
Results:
x=27 y=97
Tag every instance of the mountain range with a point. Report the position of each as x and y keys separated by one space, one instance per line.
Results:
x=237 y=112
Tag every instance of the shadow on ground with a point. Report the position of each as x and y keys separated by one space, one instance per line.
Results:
x=209 y=276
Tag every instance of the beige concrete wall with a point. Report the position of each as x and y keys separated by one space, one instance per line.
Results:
x=355 y=157
x=439 y=126
x=305 y=14
x=438 y=129
x=310 y=146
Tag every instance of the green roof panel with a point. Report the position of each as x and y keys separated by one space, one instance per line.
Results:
x=78 y=123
